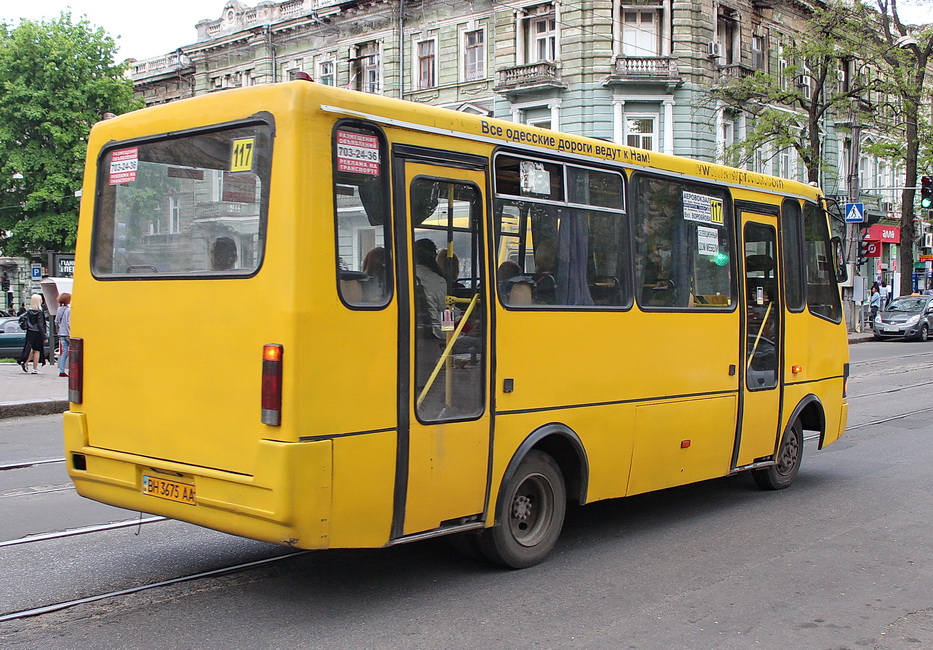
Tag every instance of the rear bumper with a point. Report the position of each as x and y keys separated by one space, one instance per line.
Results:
x=286 y=501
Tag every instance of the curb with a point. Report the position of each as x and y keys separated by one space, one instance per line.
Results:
x=26 y=408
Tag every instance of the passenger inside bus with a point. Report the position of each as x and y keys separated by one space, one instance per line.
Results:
x=374 y=266
x=451 y=268
x=222 y=254
x=514 y=287
x=545 y=266
x=434 y=287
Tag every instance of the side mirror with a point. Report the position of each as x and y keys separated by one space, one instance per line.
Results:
x=839 y=260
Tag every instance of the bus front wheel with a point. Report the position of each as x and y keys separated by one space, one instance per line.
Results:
x=530 y=514
x=784 y=471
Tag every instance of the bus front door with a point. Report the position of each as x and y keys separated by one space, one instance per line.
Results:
x=444 y=419
x=763 y=309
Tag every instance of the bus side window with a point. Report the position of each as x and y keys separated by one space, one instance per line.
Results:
x=683 y=246
x=570 y=241
x=362 y=224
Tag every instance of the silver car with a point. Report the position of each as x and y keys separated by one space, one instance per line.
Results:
x=910 y=317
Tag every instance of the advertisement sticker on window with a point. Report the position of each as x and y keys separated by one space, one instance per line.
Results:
x=702 y=208
x=123 y=165
x=357 y=153
x=707 y=241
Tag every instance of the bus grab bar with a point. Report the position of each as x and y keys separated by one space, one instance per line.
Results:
x=764 y=321
x=447 y=350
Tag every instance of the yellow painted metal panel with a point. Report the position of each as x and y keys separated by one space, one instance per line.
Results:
x=363 y=489
x=660 y=459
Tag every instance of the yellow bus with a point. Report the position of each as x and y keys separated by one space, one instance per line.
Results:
x=328 y=319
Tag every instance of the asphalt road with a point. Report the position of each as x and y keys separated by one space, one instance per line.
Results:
x=840 y=560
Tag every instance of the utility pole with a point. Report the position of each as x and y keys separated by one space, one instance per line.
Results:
x=853 y=230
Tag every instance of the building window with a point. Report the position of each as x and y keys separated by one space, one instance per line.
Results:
x=804 y=82
x=726 y=140
x=325 y=73
x=291 y=68
x=427 y=64
x=727 y=35
x=367 y=68
x=759 y=60
x=641 y=131
x=641 y=34
x=174 y=209
x=474 y=55
x=544 y=116
x=782 y=68
x=785 y=164
x=155 y=224
x=544 y=32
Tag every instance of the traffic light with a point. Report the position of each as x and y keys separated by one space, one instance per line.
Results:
x=864 y=247
x=926 y=192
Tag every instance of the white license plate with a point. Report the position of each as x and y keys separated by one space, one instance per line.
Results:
x=171 y=490
x=891 y=330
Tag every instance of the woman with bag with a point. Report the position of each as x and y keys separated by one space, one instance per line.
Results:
x=33 y=322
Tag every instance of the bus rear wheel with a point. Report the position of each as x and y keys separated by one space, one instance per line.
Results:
x=790 y=454
x=530 y=514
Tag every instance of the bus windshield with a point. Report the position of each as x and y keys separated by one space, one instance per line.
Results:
x=185 y=206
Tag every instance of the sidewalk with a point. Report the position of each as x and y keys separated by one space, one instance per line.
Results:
x=22 y=394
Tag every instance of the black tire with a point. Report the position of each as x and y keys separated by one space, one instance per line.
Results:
x=529 y=515
x=923 y=334
x=789 y=456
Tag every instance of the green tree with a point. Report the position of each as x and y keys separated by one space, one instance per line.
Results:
x=903 y=55
x=57 y=78
x=818 y=82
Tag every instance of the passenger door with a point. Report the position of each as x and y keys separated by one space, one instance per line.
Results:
x=762 y=342
x=444 y=418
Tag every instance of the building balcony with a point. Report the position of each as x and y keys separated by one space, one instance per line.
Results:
x=169 y=65
x=734 y=72
x=644 y=70
x=529 y=77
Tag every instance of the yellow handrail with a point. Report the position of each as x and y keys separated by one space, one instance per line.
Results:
x=446 y=353
x=764 y=321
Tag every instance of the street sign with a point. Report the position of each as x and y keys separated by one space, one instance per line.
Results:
x=36 y=271
x=855 y=212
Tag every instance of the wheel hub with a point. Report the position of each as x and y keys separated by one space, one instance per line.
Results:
x=522 y=507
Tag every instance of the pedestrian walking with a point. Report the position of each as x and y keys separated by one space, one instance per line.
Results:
x=885 y=293
x=63 y=327
x=874 y=302
x=33 y=322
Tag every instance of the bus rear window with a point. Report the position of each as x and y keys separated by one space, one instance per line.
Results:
x=187 y=206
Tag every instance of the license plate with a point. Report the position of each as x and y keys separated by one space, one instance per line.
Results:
x=171 y=490
x=891 y=330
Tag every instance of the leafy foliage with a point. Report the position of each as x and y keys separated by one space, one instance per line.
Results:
x=821 y=79
x=57 y=79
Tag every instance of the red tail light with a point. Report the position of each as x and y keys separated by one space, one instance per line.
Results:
x=75 y=370
x=272 y=384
